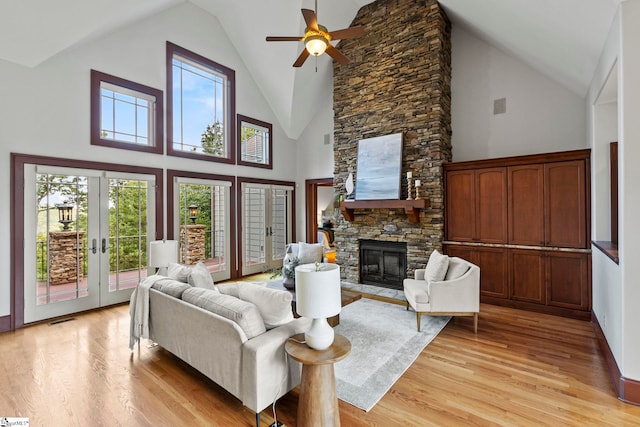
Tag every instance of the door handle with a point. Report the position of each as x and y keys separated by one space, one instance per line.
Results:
x=104 y=245
x=94 y=248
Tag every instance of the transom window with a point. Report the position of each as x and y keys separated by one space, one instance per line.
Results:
x=125 y=114
x=201 y=100
x=254 y=139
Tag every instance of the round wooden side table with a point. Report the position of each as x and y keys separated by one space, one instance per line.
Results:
x=318 y=402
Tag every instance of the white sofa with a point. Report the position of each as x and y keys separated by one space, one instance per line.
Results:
x=253 y=369
x=457 y=294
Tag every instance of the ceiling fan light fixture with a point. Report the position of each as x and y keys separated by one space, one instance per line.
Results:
x=316 y=44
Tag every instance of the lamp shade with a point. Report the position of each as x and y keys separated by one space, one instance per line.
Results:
x=163 y=252
x=318 y=292
x=316 y=45
x=318 y=296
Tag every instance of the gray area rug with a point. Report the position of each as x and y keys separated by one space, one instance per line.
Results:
x=384 y=343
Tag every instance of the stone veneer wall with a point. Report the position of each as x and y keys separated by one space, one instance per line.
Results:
x=398 y=80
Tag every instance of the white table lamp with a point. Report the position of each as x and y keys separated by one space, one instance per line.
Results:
x=161 y=253
x=318 y=296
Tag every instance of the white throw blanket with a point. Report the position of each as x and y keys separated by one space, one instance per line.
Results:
x=139 y=310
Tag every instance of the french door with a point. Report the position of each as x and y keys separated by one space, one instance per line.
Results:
x=202 y=220
x=266 y=226
x=86 y=238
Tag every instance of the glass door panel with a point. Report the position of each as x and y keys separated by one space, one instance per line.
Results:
x=85 y=241
x=203 y=224
x=266 y=226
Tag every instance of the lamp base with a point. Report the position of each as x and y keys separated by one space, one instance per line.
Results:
x=320 y=335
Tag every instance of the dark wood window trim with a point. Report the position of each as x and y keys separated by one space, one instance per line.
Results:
x=171 y=175
x=260 y=123
x=17 y=217
x=158 y=130
x=230 y=111
x=613 y=167
x=311 y=204
x=610 y=248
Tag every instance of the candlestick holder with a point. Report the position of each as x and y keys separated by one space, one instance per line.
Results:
x=409 y=188
x=417 y=192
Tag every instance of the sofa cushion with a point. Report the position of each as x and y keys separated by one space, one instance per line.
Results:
x=178 y=272
x=244 y=313
x=309 y=253
x=457 y=268
x=274 y=304
x=170 y=287
x=230 y=288
x=437 y=267
x=200 y=277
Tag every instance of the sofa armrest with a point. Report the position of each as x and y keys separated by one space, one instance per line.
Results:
x=267 y=372
x=419 y=274
x=457 y=295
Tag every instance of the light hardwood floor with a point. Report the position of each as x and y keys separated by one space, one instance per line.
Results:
x=521 y=369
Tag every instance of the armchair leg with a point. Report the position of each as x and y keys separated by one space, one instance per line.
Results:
x=257 y=419
x=418 y=319
x=475 y=323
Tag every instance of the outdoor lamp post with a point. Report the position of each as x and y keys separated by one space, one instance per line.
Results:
x=193 y=213
x=65 y=215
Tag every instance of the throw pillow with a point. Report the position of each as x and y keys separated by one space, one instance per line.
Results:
x=245 y=314
x=309 y=253
x=170 y=287
x=436 y=268
x=201 y=278
x=274 y=305
x=179 y=272
x=457 y=268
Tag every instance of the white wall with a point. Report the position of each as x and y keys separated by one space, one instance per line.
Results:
x=315 y=158
x=616 y=290
x=629 y=154
x=45 y=110
x=541 y=116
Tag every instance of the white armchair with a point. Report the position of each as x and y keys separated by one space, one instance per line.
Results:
x=458 y=294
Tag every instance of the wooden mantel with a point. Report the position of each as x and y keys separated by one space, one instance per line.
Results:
x=411 y=207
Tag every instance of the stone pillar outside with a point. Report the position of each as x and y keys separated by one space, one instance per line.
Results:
x=66 y=256
x=192 y=243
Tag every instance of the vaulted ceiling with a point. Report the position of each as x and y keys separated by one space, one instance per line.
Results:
x=560 y=38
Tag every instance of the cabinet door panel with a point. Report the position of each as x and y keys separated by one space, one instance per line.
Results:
x=565 y=195
x=526 y=205
x=568 y=280
x=491 y=221
x=493 y=265
x=527 y=276
x=464 y=252
x=460 y=208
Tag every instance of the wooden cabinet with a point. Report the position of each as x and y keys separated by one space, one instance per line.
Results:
x=525 y=222
x=527 y=276
x=565 y=206
x=526 y=205
x=477 y=201
x=568 y=280
x=493 y=263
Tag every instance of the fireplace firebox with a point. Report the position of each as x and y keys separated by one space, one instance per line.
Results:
x=383 y=263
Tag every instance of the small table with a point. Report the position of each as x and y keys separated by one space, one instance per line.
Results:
x=318 y=402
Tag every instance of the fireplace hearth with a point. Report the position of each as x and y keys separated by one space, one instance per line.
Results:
x=383 y=263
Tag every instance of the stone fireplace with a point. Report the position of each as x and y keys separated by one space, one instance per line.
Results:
x=383 y=263
x=398 y=81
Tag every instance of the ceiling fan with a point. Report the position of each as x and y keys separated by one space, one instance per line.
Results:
x=316 y=38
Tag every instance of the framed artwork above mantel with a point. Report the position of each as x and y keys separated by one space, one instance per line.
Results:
x=379 y=168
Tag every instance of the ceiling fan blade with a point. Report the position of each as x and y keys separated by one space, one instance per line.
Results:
x=347 y=33
x=310 y=19
x=284 y=39
x=303 y=57
x=335 y=54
